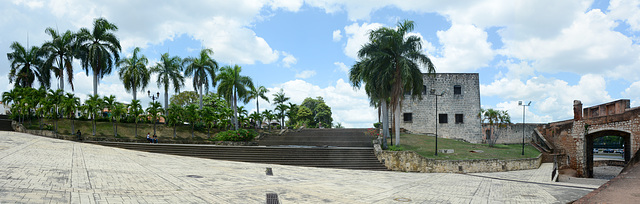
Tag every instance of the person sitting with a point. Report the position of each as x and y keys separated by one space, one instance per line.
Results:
x=79 y=134
x=155 y=138
x=149 y=138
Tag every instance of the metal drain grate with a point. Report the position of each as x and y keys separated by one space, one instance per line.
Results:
x=194 y=176
x=269 y=171
x=272 y=198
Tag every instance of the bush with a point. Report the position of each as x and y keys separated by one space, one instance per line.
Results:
x=241 y=135
x=395 y=148
x=377 y=125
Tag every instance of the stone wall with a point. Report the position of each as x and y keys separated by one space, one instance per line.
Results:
x=466 y=103
x=511 y=134
x=410 y=161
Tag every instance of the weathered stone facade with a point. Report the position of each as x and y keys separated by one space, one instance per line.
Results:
x=511 y=134
x=574 y=138
x=460 y=104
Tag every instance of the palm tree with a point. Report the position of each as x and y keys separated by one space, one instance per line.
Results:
x=93 y=105
x=168 y=70
x=69 y=105
x=233 y=86
x=60 y=52
x=55 y=98
x=134 y=73
x=257 y=94
x=496 y=119
x=135 y=109
x=279 y=99
x=392 y=51
x=268 y=114
x=117 y=113
x=27 y=66
x=256 y=116
x=282 y=108
x=202 y=69
x=191 y=113
x=153 y=110
x=174 y=117
x=98 y=49
x=110 y=103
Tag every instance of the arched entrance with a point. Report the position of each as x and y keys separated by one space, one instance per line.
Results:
x=589 y=139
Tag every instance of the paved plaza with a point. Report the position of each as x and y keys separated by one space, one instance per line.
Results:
x=36 y=169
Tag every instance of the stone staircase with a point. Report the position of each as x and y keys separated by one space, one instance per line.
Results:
x=313 y=148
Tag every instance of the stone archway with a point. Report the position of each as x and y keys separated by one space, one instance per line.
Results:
x=589 y=138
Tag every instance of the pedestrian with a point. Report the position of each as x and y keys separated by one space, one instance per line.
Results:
x=79 y=134
x=155 y=138
x=149 y=138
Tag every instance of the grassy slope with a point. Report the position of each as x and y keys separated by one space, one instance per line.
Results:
x=425 y=146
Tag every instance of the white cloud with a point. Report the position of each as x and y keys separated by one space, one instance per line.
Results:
x=357 y=35
x=342 y=67
x=627 y=11
x=306 y=74
x=465 y=48
x=337 y=35
x=552 y=98
x=288 y=59
x=633 y=93
x=289 y=5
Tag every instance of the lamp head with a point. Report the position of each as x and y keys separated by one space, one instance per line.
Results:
x=519 y=103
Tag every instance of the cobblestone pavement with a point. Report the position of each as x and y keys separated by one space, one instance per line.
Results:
x=36 y=169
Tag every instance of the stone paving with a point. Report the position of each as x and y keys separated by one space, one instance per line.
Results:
x=37 y=169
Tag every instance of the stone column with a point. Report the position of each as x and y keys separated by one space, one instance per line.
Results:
x=577 y=110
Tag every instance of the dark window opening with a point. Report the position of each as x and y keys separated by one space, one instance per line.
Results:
x=457 y=90
x=459 y=118
x=442 y=118
x=408 y=117
x=424 y=89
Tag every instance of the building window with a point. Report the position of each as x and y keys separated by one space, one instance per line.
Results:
x=442 y=118
x=457 y=90
x=424 y=89
x=408 y=117
x=459 y=118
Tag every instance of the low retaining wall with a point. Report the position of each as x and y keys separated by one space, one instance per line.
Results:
x=410 y=161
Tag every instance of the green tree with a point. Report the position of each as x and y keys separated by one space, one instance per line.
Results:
x=69 y=105
x=153 y=110
x=256 y=94
x=174 y=116
x=279 y=99
x=391 y=51
x=118 y=112
x=110 y=103
x=281 y=108
x=168 y=70
x=305 y=115
x=292 y=114
x=233 y=86
x=134 y=73
x=268 y=114
x=202 y=69
x=184 y=98
x=497 y=119
x=55 y=99
x=98 y=49
x=27 y=66
x=60 y=52
x=135 y=109
x=323 y=115
x=192 y=116
x=93 y=105
x=255 y=116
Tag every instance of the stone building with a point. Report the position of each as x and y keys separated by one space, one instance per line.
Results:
x=458 y=107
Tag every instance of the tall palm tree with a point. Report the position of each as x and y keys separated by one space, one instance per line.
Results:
x=257 y=94
x=110 y=103
x=168 y=70
x=393 y=51
x=233 y=86
x=134 y=73
x=174 y=117
x=282 y=108
x=119 y=110
x=55 y=98
x=135 y=109
x=27 y=66
x=98 y=49
x=60 y=52
x=496 y=119
x=202 y=69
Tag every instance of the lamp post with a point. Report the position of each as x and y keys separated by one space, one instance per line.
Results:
x=520 y=103
x=433 y=92
x=153 y=99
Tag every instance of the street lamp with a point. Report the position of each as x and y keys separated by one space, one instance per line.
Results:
x=433 y=92
x=153 y=99
x=520 y=103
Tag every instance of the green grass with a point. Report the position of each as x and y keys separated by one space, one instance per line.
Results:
x=425 y=146
x=105 y=131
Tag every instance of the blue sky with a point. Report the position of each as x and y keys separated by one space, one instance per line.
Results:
x=549 y=52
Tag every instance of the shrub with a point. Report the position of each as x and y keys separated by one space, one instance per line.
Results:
x=236 y=136
x=377 y=125
x=372 y=132
x=395 y=148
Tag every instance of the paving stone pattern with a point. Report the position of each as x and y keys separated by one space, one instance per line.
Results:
x=36 y=169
